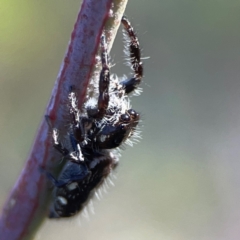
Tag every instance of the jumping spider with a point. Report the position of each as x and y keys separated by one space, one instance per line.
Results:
x=95 y=131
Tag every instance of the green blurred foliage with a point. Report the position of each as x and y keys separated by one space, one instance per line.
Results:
x=182 y=180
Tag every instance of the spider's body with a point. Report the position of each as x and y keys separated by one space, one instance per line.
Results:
x=101 y=126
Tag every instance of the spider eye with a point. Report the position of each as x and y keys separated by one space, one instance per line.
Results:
x=125 y=118
x=122 y=127
x=134 y=115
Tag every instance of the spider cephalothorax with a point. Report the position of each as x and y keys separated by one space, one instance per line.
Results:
x=102 y=125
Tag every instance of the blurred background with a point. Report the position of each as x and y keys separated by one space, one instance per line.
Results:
x=182 y=181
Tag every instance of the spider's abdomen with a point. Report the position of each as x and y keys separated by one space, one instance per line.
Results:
x=71 y=197
x=68 y=200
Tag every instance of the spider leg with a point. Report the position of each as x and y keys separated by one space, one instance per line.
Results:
x=55 y=136
x=73 y=108
x=79 y=127
x=103 y=98
x=78 y=122
x=135 y=58
x=74 y=156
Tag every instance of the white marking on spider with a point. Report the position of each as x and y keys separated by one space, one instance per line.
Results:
x=62 y=200
x=72 y=186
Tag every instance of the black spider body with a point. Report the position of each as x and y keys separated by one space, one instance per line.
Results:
x=103 y=124
x=77 y=182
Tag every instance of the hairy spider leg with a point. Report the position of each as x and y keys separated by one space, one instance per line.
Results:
x=81 y=124
x=72 y=156
x=104 y=80
x=73 y=108
x=55 y=136
x=78 y=132
x=135 y=58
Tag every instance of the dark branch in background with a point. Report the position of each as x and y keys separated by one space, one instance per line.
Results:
x=27 y=204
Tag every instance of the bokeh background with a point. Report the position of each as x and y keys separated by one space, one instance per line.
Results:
x=182 y=181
